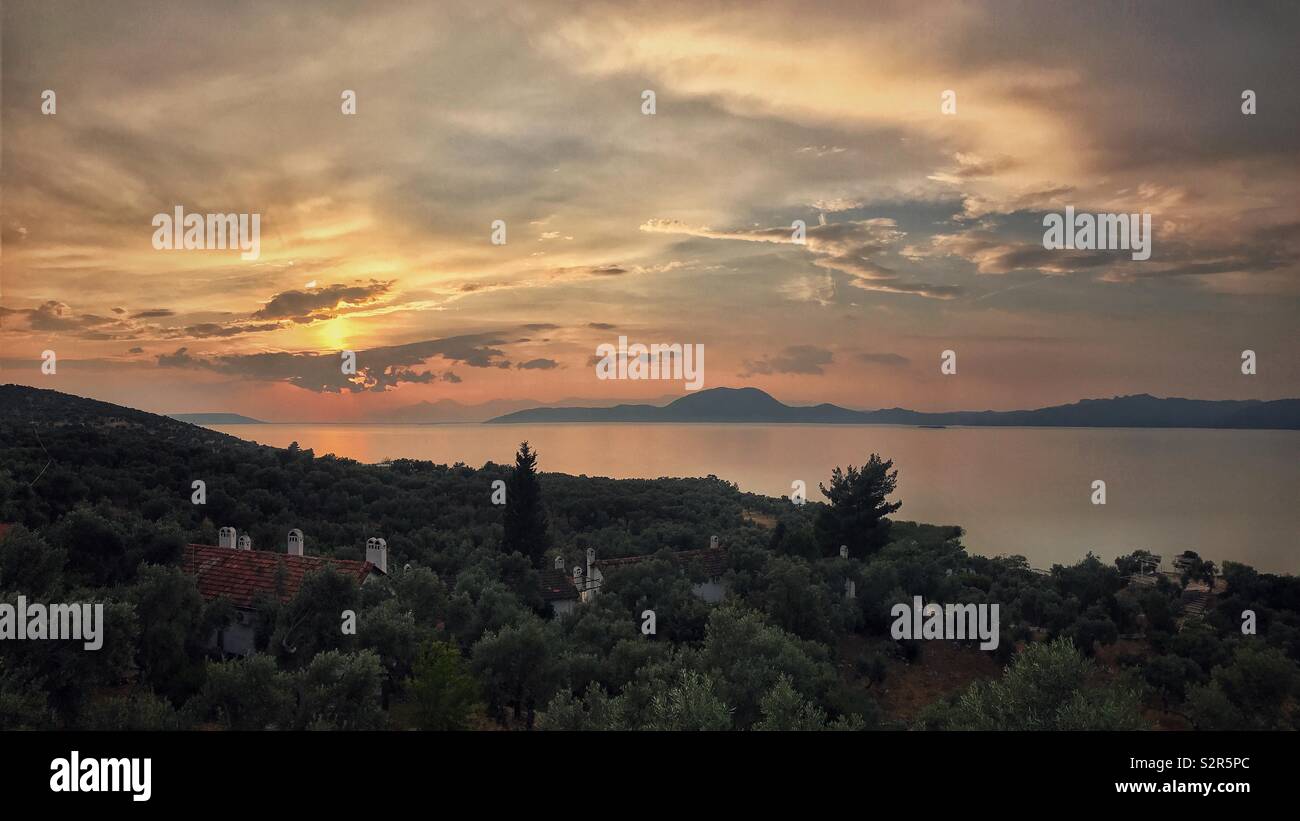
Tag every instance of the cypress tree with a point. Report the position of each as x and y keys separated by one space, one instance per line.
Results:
x=527 y=528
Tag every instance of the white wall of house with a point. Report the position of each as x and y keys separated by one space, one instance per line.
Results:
x=712 y=591
x=236 y=639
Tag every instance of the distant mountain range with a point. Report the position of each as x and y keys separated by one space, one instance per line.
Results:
x=740 y=405
x=215 y=419
x=446 y=411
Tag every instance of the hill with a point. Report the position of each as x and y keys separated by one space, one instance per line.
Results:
x=216 y=419
x=448 y=411
x=740 y=405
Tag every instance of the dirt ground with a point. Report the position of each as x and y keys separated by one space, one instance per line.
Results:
x=763 y=520
x=942 y=668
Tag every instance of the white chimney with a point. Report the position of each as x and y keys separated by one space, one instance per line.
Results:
x=295 y=542
x=844 y=551
x=377 y=553
x=245 y=543
x=713 y=543
x=591 y=559
x=226 y=537
x=559 y=562
x=577 y=582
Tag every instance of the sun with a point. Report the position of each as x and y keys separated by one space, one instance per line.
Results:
x=335 y=334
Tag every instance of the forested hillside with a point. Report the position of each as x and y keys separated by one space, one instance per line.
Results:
x=459 y=636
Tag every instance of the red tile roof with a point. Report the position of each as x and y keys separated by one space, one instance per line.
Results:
x=712 y=562
x=239 y=575
x=5 y=528
x=557 y=585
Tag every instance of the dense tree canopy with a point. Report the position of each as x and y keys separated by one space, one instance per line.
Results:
x=458 y=635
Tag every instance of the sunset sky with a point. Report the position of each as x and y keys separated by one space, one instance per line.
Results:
x=924 y=228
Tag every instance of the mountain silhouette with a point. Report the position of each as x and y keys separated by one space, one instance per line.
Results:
x=216 y=419
x=739 y=405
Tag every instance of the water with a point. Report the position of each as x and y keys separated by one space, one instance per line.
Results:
x=1226 y=494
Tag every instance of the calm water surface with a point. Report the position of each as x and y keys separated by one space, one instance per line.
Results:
x=1225 y=494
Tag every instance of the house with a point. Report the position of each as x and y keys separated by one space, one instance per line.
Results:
x=1149 y=564
x=558 y=589
x=1184 y=561
x=234 y=571
x=711 y=562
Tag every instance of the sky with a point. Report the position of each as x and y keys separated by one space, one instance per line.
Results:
x=924 y=225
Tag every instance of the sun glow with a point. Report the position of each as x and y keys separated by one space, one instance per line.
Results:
x=335 y=334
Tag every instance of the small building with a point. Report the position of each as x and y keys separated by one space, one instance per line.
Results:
x=1149 y=564
x=1184 y=561
x=558 y=589
x=234 y=571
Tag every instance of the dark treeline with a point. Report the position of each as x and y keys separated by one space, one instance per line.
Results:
x=458 y=635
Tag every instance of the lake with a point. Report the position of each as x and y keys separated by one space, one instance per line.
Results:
x=1227 y=494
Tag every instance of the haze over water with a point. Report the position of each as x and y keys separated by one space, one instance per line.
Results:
x=1227 y=494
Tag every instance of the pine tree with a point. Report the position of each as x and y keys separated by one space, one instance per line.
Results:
x=857 y=511
x=527 y=529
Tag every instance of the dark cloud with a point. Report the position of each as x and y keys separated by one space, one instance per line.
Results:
x=1264 y=250
x=992 y=253
x=798 y=359
x=377 y=368
x=665 y=358
x=1274 y=248
x=182 y=359
x=56 y=316
x=602 y=326
x=59 y=316
x=206 y=330
x=893 y=360
x=320 y=302
x=538 y=365
x=587 y=271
